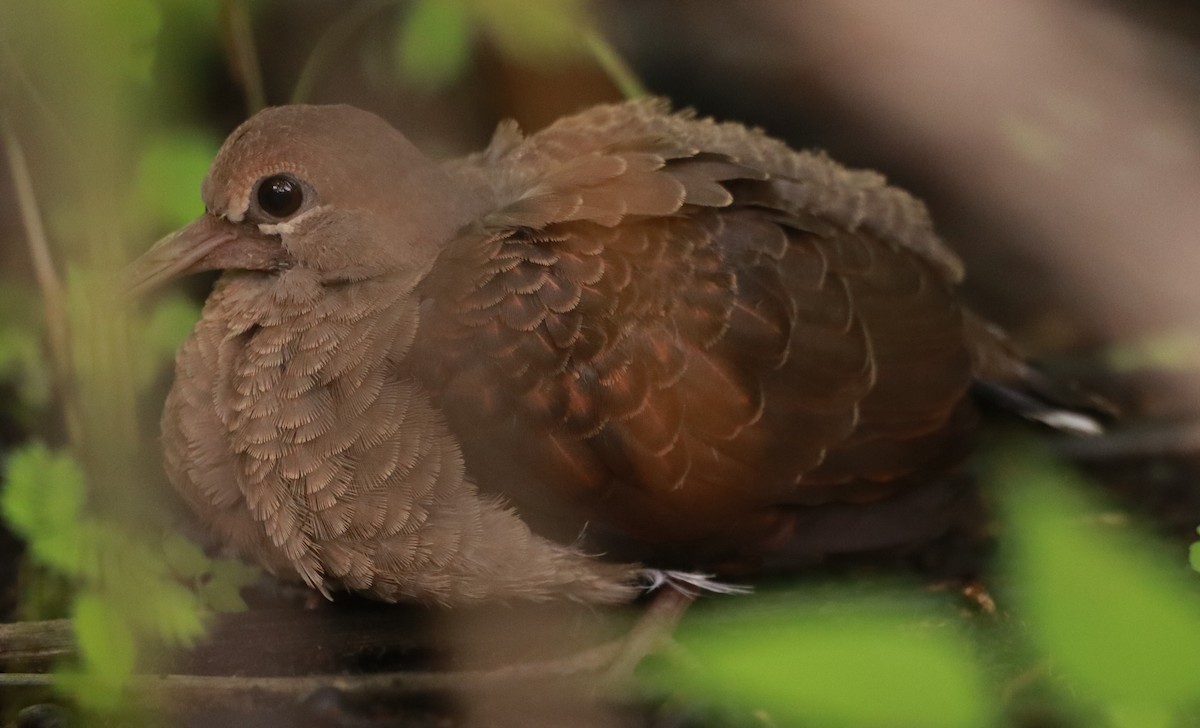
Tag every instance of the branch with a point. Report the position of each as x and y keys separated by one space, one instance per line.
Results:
x=196 y=693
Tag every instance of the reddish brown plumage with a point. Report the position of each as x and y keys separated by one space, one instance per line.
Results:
x=765 y=329
x=647 y=332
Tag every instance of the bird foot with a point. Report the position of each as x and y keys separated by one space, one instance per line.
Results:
x=688 y=583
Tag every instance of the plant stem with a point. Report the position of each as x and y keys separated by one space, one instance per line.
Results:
x=245 y=54
x=613 y=65
x=335 y=36
x=49 y=284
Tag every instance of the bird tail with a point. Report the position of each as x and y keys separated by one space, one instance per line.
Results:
x=1007 y=380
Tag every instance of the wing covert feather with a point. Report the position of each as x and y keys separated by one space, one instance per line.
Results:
x=671 y=321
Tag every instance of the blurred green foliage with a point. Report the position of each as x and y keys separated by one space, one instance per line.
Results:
x=843 y=659
x=436 y=37
x=1115 y=626
x=434 y=45
x=1118 y=621
x=1171 y=349
x=132 y=585
x=75 y=82
x=166 y=182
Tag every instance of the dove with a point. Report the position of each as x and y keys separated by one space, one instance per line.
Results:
x=635 y=346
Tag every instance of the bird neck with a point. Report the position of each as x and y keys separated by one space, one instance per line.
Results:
x=299 y=324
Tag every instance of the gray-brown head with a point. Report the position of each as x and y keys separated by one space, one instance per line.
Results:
x=330 y=188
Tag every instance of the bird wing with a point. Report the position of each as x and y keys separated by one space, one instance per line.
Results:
x=671 y=325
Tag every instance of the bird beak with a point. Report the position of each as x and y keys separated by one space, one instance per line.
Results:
x=176 y=254
x=208 y=243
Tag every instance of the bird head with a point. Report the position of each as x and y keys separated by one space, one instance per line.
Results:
x=332 y=189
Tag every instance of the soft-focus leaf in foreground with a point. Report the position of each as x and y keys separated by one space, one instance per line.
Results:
x=534 y=31
x=107 y=649
x=1114 y=616
x=434 y=43
x=43 y=501
x=851 y=663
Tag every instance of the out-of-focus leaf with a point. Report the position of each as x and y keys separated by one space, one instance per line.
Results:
x=1194 y=554
x=218 y=581
x=1109 y=612
x=853 y=664
x=167 y=183
x=135 y=574
x=222 y=592
x=533 y=30
x=106 y=646
x=1178 y=349
x=1142 y=716
x=170 y=322
x=434 y=43
x=42 y=501
x=92 y=689
x=173 y=613
x=185 y=559
x=122 y=32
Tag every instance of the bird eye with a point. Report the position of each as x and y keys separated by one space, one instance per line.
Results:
x=280 y=195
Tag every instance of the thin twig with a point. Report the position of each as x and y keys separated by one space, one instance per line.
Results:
x=245 y=54
x=196 y=692
x=611 y=62
x=49 y=284
x=12 y=66
x=335 y=36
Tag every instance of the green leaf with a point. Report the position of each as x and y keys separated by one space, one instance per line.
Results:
x=135 y=576
x=853 y=663
x=534 y=31
x=222 y=592
x=174 y=613
x=1115 y=618
x=222 y=596
x=43 y=502
x=106 y=643
x=185 y=559
x=434 y=43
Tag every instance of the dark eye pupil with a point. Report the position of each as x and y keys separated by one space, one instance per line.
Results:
x=280 y=196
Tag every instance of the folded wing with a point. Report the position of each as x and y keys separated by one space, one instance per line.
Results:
x=669 y=328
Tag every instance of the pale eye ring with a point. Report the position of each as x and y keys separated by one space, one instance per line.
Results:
x=280 y=195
